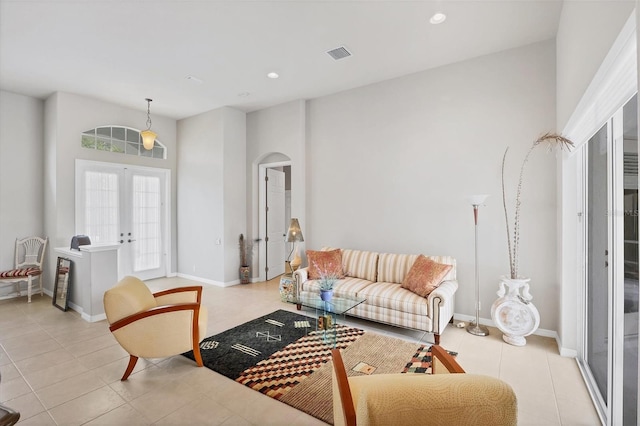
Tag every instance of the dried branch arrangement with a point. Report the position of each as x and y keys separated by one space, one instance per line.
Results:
x=552 y=140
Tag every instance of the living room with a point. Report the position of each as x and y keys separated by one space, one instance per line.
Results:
x=364 y=161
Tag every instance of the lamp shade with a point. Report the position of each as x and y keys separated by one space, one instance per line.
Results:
x=477 y=200
x=295 y=233
x=148 y=138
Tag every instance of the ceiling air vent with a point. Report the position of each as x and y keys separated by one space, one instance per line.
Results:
x=339 y=53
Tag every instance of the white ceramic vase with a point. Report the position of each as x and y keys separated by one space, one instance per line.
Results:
x=513 y=313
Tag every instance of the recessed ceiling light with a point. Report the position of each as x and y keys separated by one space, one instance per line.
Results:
x=273 y=75
x=438 y=18
x=244 y=94
x=193 y=79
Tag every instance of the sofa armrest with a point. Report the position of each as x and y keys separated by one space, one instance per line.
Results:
x=299 y=277
x=440 y=305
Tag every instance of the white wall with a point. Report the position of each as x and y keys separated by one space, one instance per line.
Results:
x=211 y=194
x=67 y=116
x=200 y=194
x=280 y=129
x=586 y=32
x=235 y=184
x=390 y=165
x=21 y=173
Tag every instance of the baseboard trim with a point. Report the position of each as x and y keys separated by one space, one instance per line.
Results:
x=208 y=281
x=539 y=332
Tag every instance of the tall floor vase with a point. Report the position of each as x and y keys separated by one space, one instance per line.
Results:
x=513 y=312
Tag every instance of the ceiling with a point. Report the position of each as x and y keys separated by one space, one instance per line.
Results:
x=123 y=51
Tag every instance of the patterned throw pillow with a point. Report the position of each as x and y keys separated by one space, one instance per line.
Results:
x=425 y=276
x=327 y=263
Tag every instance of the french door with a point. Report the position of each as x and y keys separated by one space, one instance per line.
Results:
x=125 y=205
x=609 y=351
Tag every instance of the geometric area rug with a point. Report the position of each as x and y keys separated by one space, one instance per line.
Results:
x=270 y=353
x=283 y=356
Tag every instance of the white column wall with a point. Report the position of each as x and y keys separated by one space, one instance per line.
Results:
x=235 y=184
x=21 y=173
x=200 y=196
x=211 y=194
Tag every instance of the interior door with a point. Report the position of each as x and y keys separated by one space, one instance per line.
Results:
x=275 y=227
x=124 y=205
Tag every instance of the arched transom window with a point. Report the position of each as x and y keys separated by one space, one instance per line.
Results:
x=124 y=140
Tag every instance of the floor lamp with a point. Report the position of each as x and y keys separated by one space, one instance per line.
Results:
x=477 y=329
x=294 y=235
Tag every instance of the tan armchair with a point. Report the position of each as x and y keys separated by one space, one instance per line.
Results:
x=155 y=325
x=421 y=399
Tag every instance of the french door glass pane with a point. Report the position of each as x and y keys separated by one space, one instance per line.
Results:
x=631 y=271
x=101 y=207
x=598 y=275
x=146 y=222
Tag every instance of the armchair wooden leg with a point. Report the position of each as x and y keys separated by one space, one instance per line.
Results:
x=196 y=355
x=132 y=363
x=436 y=337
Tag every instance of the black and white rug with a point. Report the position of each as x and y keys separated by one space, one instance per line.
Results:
x=233 y=351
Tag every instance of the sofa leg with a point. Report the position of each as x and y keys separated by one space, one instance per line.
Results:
x=436 y=338
x=299 y=306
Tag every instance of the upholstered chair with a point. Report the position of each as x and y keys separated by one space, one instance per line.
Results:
x=421 y=399
x=155 y=325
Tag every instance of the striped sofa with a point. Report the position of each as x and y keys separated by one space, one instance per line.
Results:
x=377 y=277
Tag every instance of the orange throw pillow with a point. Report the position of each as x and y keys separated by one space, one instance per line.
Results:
x=425 y=276
x=327 y=263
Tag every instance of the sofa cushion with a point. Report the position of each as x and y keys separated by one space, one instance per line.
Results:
x=392 y=268
x=393 y=296
x=325 y=263
x=425 y=276
x=360 y=264
x=347 y=287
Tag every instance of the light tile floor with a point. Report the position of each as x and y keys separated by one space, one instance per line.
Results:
x=58 y=369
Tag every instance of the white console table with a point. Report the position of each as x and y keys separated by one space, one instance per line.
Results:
x=94 y=270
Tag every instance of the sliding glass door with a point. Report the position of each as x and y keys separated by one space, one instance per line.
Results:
x=609 y=355
x=598 y=271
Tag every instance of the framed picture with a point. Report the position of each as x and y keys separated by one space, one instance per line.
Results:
x=61 y=286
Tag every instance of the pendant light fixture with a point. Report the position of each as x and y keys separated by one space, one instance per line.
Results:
x=148 y=137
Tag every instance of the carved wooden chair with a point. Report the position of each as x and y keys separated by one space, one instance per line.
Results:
x=421 y=399
x=155 y=325
x=29 y=255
